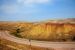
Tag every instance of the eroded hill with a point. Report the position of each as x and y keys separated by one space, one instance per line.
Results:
x=52 y=30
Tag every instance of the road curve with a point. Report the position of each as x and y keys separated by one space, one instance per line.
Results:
x=7 y=36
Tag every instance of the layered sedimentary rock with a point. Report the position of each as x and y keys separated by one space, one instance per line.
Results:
x=54 y=31
x=50 y=31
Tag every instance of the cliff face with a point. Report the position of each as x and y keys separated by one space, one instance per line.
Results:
x=55 y=30
x=50 y=31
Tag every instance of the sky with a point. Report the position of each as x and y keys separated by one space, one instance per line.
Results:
x=36 y=10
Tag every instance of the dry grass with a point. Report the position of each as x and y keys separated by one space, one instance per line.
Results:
x=3 y=47
x=17 y=46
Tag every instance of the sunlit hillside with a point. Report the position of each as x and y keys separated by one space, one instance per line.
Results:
x=12 y=26
x=56 y=30
x=52 y=30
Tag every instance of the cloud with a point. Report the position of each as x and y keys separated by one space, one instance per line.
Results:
x=9 y=9
x=31 y=2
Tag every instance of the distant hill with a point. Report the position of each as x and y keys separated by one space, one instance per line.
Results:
x=68 y=20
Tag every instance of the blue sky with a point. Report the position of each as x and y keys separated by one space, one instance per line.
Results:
x=36 y=10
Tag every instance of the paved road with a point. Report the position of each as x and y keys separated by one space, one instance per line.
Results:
x=7 y=36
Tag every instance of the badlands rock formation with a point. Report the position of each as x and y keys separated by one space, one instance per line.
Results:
x=63 y=30
x=52 y=30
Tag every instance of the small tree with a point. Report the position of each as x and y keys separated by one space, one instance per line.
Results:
x=18 y=30
x=17 y=33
